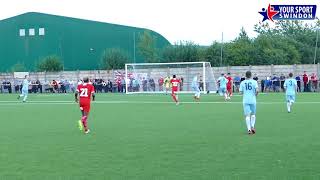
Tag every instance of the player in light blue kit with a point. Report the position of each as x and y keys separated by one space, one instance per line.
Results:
x=223 y=86
x=25 y=88
x=290 y=86
x=195 y=87
x=249 y=89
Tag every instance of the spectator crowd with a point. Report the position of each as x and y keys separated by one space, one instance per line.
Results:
x=273 y=83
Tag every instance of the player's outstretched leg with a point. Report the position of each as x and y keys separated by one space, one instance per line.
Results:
x=21 y=95
x=80 y=125
x=175 y=98
x=25 y=98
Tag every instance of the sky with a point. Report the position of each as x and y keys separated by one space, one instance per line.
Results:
x=200 y=21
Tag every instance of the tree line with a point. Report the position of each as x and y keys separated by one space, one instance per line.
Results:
x=284 y=42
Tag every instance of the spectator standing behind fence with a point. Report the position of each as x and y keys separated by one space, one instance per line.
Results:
x=7 y=86
x=54 y=85
x=298 y=79
x=39 y=88
x=276 y=83
x=16 y=86
x=201 y=84
x=152 y=85
x=255 y=77
x=305 y=80
x=236 y=80
x=282 y=79
x=72 y=86
x=181 y=83
x=123 y=85
x=109 y=86
x=262 y=85
x=314 y=81
x=160 y=83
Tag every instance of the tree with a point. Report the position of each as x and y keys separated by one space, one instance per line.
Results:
x=114 y=58
x=240 y=51
x=19 y=67
x=295 y=38
x=50 y=63
x=212 y=54
x=183 y=51
x=147 y=47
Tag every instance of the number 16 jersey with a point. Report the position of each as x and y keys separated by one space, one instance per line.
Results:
x=249 y=87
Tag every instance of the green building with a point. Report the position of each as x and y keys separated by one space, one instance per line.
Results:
x=28 y=37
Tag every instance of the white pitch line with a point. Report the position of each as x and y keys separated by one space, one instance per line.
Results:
x=7 y=103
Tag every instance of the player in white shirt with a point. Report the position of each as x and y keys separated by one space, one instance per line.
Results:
x=25 y=88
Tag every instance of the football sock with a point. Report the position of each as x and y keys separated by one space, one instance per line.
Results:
x=253 y=120
x=289 y=106
x=174 y=97
x=248 y=123
x=84 y=122
x=21 y=95
x=25 y=98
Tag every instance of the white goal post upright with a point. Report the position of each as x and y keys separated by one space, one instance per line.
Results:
x=150 y=77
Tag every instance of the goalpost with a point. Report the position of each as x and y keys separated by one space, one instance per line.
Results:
x=151 y=77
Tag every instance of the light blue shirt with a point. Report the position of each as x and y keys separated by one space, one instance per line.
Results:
x=249 y=87
x=25 y=84
x=291 y=86
x=195 y=81
x=223 y=82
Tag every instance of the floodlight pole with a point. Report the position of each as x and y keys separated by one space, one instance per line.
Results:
x=126 y=77
x=221 y=56
x=316 y=48
x=134 y=47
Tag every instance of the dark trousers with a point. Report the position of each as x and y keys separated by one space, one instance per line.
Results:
x=299 y=86
x=305 y=87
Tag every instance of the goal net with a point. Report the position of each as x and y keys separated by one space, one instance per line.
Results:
x=151 y=77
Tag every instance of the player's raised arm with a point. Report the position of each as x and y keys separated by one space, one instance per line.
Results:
x=76 y=95
x=93 y=96
x=93 y=93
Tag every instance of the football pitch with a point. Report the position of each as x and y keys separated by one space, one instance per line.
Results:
x=148 y=137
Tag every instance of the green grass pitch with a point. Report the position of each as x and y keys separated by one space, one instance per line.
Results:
x=142 y=137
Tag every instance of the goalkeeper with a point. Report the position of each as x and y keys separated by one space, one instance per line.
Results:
x=167 y=84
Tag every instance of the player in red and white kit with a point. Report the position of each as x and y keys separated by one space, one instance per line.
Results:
x=229 y=85
x=84 y=93
x=175 y=84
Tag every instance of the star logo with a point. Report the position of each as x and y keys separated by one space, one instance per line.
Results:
x=269 y=13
